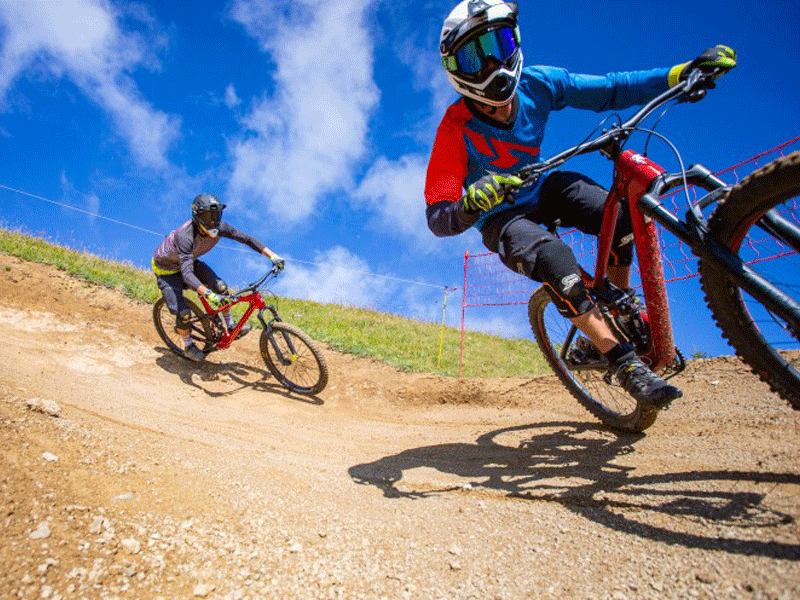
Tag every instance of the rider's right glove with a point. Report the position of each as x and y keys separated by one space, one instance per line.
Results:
x=719 y=57
x=488 y=192
x=215 y=300
x=278 y=263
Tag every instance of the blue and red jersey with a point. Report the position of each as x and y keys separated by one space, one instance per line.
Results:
x=469 y=144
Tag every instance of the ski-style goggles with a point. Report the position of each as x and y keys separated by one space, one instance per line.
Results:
x=471 y=58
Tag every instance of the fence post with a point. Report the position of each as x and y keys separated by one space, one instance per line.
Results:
x=441 y=334
x=463 y=309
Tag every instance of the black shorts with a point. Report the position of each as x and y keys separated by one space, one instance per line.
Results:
x=172 y=286
x=520 y=236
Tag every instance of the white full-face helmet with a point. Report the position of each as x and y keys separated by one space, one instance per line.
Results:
x=480 y=50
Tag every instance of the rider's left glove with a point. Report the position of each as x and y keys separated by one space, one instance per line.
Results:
x=215 y=300
x=489 y=191
x=720 y=58
x=278 y=263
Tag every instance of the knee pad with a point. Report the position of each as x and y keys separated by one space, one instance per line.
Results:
x=558 y=270
x=183 y=318
x=221 y=287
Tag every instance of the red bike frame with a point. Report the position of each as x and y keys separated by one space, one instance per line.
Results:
x=632 y=177
x=256 y=303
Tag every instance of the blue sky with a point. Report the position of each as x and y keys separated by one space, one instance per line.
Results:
x=314 y=121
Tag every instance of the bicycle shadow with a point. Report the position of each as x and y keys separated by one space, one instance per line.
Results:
x=238 y=375
x=571 y=464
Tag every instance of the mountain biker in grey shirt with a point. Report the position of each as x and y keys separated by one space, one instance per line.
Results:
x=176 y=265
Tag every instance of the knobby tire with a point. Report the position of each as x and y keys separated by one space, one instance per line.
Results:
x=199 y=327
x=760 y=338
x=608 y=402
x=305 y=370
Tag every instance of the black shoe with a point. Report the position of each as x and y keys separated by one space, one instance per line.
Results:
x=194 y=353
x=645 y=386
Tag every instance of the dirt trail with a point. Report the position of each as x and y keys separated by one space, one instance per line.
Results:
x=159 y=478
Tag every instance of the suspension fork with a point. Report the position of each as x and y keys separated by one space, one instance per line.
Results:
x=633 y=175
x=271 y=335
x=704 y=245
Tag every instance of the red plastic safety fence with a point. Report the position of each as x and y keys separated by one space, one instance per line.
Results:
x=487 y=282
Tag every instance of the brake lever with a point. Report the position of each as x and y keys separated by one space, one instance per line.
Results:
x=695 y=96
x=698 y=83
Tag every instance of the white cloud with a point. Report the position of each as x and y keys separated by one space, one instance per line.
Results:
x=394 y=191
x=508 y=322
x=231 y=98
x=304 y=139
x=340 y=277
x=82 y=40
x=337 y=277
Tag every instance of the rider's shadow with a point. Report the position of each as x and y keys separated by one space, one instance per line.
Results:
x=233 y=377
x=506 y=468
x=572 y=464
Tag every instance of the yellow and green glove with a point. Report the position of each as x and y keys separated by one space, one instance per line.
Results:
x=215 y=300
x=719 y=57
x=488 y=192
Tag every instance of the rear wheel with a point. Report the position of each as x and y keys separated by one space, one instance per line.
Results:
x=582 y=369
x=293 y=358
x=199 y=327
x=759 y=220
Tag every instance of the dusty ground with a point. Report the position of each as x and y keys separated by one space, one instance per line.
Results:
x=127 y=472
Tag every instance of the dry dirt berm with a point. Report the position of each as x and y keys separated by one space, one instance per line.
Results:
x=157 y=478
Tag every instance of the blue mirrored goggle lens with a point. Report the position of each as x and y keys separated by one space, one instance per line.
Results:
x=468 y=59
x=507 y=43
x=499 y=44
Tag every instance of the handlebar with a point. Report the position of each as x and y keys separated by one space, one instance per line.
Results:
x=253 y=287
x=692 y=89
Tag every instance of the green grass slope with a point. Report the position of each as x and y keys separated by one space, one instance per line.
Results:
x=401 y=342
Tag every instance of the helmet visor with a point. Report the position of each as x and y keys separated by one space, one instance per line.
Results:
x=472 y=58
x=210 y=217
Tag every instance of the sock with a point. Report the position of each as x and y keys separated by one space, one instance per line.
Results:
x=619 y=352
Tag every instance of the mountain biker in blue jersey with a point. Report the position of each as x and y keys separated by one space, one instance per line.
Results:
x=176 y=266
x=496 y=128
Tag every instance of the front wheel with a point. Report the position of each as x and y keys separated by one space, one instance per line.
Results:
x=199 y=327
x=582 y=369
x=759 y=220
x=293 y=358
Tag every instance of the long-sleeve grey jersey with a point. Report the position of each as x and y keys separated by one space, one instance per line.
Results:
x=182 y=246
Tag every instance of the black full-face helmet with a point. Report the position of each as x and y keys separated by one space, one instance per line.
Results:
x=480 y=50
x=207 y=213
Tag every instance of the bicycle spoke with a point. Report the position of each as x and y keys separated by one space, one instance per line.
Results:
x=784 y=262
x=292 y=358
x=581 y=368
x=767 y=339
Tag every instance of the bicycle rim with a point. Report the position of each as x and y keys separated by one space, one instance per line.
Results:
x=783 y=272
x=763 y=339
x=585 y=377
x=199 y=329
x=293 y=358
